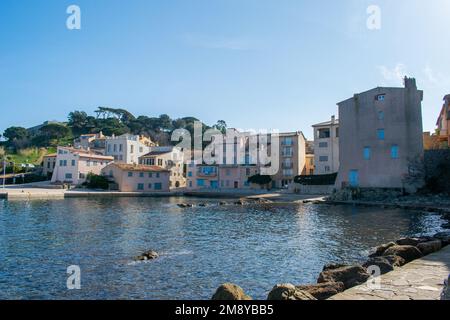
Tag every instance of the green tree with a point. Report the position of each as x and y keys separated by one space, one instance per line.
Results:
x=221 y=125
x=55 y=131
x=15 y=133
x=78 y=121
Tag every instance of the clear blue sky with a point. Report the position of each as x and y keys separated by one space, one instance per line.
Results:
x=272 y=64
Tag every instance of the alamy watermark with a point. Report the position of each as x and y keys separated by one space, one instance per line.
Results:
x=74 y=279
x=73 y=22
x=374 y=19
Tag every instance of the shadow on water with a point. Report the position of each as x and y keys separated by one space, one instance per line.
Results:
x=255 y=246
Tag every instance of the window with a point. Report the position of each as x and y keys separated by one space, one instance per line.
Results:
x=141 y=174
x=120 y=147
x=88 y=163
x=149 y=185
x=190 y=184
x=190 y=174
x=158 y=186
x=380 y=97
x=140 y=186
x=394 y=152
x=109 y=148
x=228 y=172
x=141 y=150
x=366 y=153
x=68 y=176
x=115 y=147
x=288 y=141
x=131 y=149
x=380 y=115
x=323 y=133
x=95 y=163
x=380 y=134
x=73 y=163
x=323 y=158
x=327 y=169
x=200 y=183
x=323 y=144
x=247 y=172
x=150 y=175
x=82 y=176
x=157 y=174
x=287 y=152
x=48 y=165
x=337 y=132
x=160 y=162
x=130 y=174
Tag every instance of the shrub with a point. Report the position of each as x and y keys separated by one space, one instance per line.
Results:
x=94 y=181
x=260 y=179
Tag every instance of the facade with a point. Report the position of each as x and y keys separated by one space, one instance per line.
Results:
x=309 y=165
x=95 y=141
x=73 y=165
x=138 y=178
x=292 y=161
x=127 y=148
x=48 y=164
x=169 y=158
x=221 y=177
x=443 y=123
x=380 y=134
x=326 y=147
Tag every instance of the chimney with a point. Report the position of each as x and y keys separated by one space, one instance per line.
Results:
x=333 y=119
x=410 y=83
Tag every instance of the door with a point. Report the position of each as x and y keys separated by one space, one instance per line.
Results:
x=354 y=178
x=236 y=184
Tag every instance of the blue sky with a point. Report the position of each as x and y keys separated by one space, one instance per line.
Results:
x=257 y=64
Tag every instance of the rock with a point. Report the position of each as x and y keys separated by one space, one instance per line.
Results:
x=182 y=205
x=332 y=266
x=222 y=203
x=412 y=241
x=323 y=291
x=350 y=276
x=384 y=264
x=446 y=226
x=429 y=247
x=202 y=205
x=395 y=261
x=240 y=203
x=149 y=255
x=444 y=237
x=381 y=249
x=288 y=292
x=230 y=292
x=409 y=253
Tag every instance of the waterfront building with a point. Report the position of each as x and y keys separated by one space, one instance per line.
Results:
x=326 y=147
x=95 y=142
x=127 y=148
x=292 y=158
x=380 y=137
x=443 y=123
x=138 y=178
x=48 y=164
x=74 y=165
x=170 y=158
x=221 y=177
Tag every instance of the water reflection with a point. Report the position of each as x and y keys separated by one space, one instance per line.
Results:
x=255 y=246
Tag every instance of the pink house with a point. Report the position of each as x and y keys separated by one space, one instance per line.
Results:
x=138 y=178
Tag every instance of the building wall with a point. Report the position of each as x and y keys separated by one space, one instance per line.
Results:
x=130 y=184
x=172 y=161
x=48 y=165
x=290 y=164
x=309 y=165
x=73 y=168
x=326 y=150
x=126 y=149
x=399 y=114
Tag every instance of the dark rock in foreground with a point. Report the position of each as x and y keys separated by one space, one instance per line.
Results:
x=412 y=241
x=323 y=291
x=409 y=253
x=384 y=264
x=149 y=255
x=429 y=247
x=230 y=292
x=288 y=292
x=350 y=276
x=444 y=237
x=381 y=249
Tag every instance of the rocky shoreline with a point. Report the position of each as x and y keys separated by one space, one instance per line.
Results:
x=336 y=278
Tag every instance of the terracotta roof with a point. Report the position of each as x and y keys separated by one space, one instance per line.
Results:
x=50 y=155
x=139 y=167
x=86 y=154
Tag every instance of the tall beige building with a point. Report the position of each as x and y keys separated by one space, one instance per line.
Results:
x=292 y=161
x=326 y=147
x=380 y=137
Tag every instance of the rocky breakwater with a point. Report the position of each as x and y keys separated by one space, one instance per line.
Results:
x=336 y=278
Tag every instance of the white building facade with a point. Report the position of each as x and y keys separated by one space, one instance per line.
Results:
x=326 y=147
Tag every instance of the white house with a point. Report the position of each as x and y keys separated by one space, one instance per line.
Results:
x=127 y=148
x=73 y=165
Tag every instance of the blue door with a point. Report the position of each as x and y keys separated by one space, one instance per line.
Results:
x=354 y=178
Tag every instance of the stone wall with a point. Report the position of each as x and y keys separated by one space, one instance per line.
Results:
x=311 y=190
